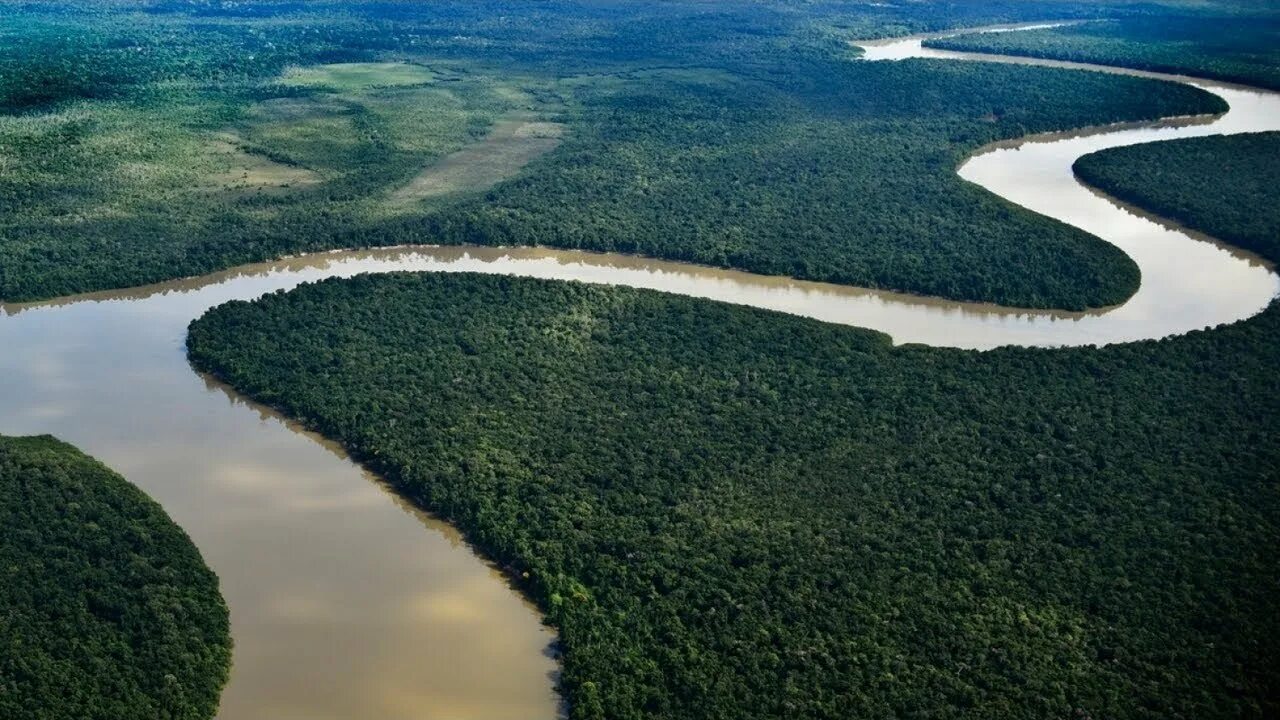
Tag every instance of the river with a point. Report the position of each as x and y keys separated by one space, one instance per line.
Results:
x=345 y=602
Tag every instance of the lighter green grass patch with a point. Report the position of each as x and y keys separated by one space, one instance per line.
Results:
x=428 y=120
x=288 y=109
x=322 y=142
x=513 y=143
x=241 y=171
x=347 y=77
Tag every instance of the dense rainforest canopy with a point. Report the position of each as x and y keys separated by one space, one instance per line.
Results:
x=1222 y=185
x=849 y=179
x=144 y=141
x=730 y=513
x=727 y=513
x=733 y=513
x=107 y=611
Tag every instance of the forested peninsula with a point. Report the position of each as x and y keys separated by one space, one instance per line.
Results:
x=731 y=513
x=1223 y=185
x=1197 y=42
x=735 y=513
x=107 y=611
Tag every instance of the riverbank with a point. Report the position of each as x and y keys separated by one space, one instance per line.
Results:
x=106 y=608
x=716 y=505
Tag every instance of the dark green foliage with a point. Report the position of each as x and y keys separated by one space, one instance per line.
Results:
x=732 y=134
x=107 y=611
x=1227 y=186
x=731 y=513
x=1243 y=50
x=845 y=174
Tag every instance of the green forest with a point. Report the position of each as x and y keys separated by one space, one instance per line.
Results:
x=1236 y=49
x=1182 y=180
x=850 y=179
x=734 y=513
x=142 y=142
x=725 y=513
x=729 y=513
x=107 y=611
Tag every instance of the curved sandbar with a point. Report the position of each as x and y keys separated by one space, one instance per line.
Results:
x=341 y=605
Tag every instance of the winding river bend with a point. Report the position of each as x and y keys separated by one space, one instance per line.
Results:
x=345 y=602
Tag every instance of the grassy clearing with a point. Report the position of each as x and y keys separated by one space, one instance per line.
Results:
x=504 y=152
x=327 y=139
x=431 y=121
x=348 y=77
x=250 y=172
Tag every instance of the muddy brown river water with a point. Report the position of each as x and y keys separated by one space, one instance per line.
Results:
x=345 y=602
